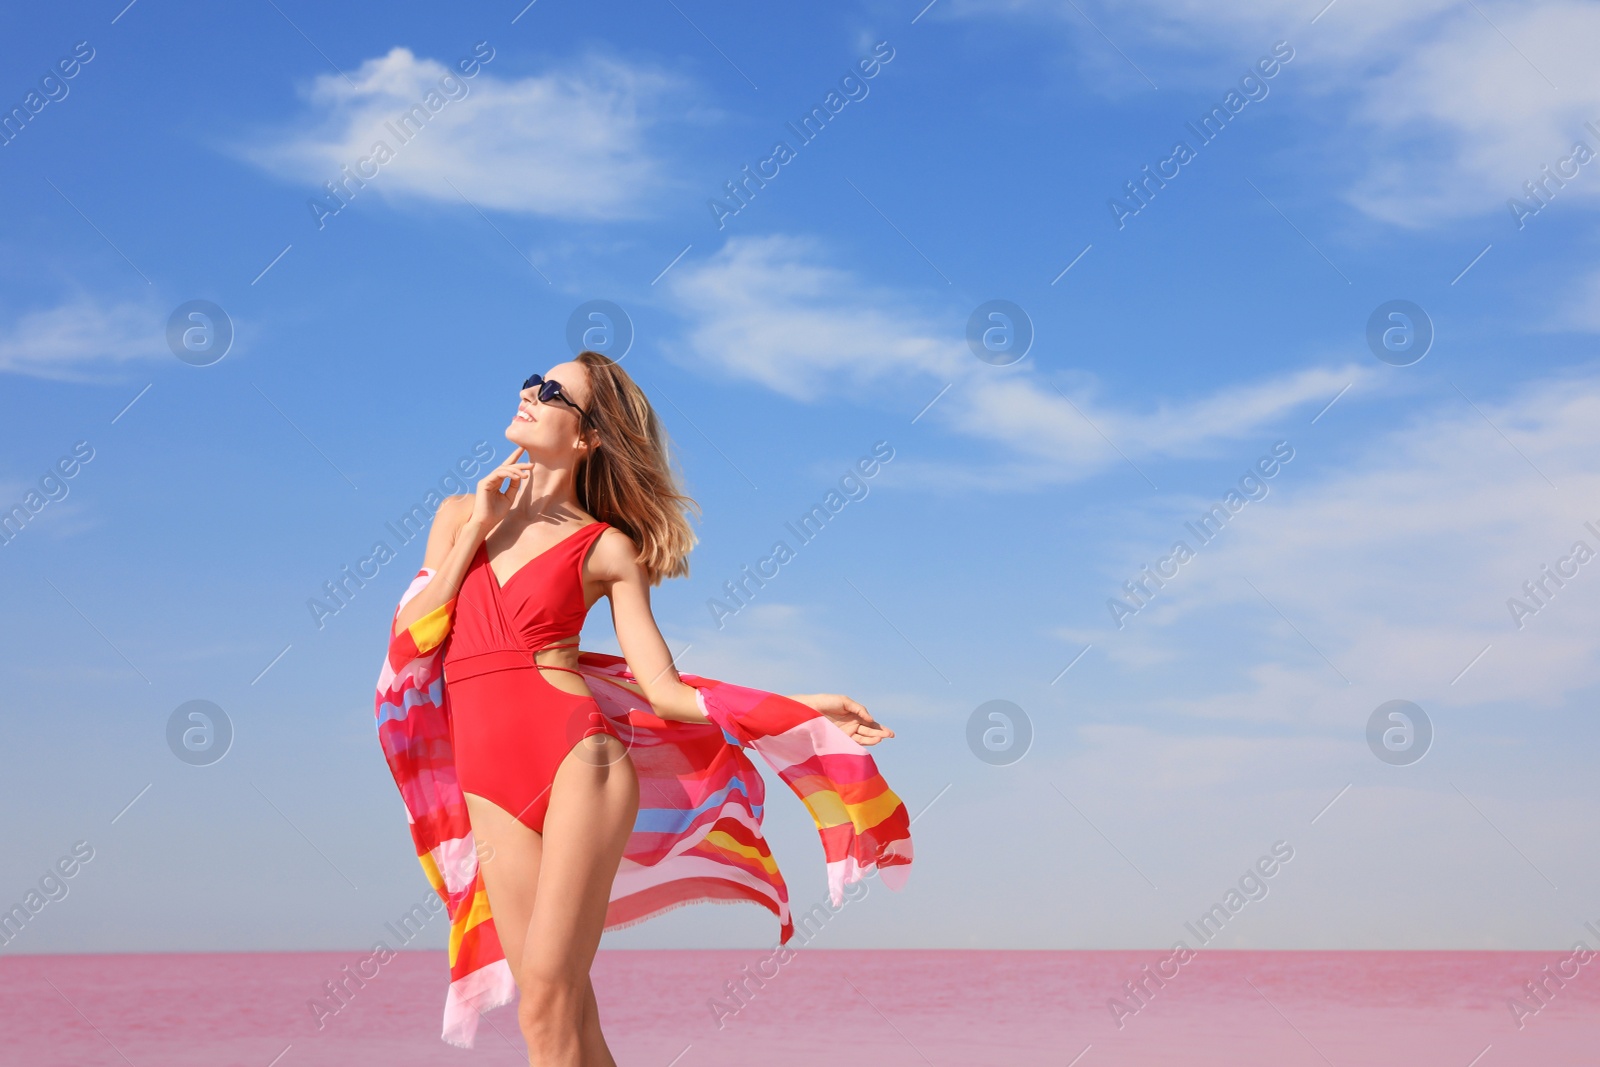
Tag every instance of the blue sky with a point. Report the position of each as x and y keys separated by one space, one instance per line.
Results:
x=375 y=346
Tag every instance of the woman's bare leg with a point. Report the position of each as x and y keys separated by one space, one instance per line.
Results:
x=593 y=802
x=595 y=1052
x=508 y=855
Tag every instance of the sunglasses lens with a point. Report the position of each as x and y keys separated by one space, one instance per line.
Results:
x=548 y=391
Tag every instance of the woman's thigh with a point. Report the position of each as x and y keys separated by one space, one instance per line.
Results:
x=593 y=802
x=509 y=855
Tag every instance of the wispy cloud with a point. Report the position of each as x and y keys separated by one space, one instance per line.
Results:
x=66 y=343
x=773 y=311
x=1448 y=107
x=1398 y=568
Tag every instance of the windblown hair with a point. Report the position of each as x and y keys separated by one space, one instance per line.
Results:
x=628 y=481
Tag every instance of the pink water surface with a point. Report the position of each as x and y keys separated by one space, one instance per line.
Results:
x=938 y=1007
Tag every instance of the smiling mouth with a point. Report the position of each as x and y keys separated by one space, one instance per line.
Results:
x=523 y=415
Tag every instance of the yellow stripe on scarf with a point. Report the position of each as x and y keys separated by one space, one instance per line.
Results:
x=479 y=912
x=431 y=868
x=722 y=840
x=429 y=631
x=829 y=809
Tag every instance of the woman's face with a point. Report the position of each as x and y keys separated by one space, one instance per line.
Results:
x=552 y=430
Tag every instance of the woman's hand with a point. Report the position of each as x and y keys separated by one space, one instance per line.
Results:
x=491 y=503
x=856 y=721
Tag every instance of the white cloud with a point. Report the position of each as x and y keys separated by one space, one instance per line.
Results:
x=1449 y=107
x=1486 y=102
x=771 y=311
x=768 y=309
x=568 y=143
x=1399 y=567
x=64 y=343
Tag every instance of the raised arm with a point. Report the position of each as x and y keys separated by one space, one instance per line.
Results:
x=459 y=527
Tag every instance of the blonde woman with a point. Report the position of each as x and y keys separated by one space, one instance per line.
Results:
x=585 y=507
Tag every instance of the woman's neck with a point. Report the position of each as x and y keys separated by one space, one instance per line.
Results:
x=548 y=494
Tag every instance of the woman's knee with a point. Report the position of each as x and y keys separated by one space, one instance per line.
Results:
x=549 y=1002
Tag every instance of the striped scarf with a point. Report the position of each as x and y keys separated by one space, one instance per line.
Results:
x=697 y=836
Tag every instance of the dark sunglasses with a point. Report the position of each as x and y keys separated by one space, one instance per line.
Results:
x=552 y=390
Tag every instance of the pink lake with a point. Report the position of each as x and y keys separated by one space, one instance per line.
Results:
x=938 y=1007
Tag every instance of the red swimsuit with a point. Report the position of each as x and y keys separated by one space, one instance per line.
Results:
x=511 y=728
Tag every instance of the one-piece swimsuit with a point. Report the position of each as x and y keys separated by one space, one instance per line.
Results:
x=509 y=726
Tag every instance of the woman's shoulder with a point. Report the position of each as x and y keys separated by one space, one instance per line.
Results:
x=454 y=510
x=448 y=518
x=614 y=539
x=614 y=552
x=452 y=514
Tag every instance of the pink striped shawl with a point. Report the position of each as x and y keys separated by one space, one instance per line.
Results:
x=697 y=836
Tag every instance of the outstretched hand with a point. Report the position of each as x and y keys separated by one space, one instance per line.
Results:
x=856 y=721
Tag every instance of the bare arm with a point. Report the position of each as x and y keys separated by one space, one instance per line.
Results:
x=452 y=542
x=459 y=527
x=613 y=563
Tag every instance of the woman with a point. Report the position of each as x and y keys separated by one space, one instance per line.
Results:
x=591 y=510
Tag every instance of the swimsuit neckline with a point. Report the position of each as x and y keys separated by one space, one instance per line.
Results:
x=499 y=586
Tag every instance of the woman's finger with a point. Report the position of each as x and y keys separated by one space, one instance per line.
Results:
x=857 y=709
x=500 y=474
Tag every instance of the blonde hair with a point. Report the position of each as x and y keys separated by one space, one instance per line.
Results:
x=628 y=480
